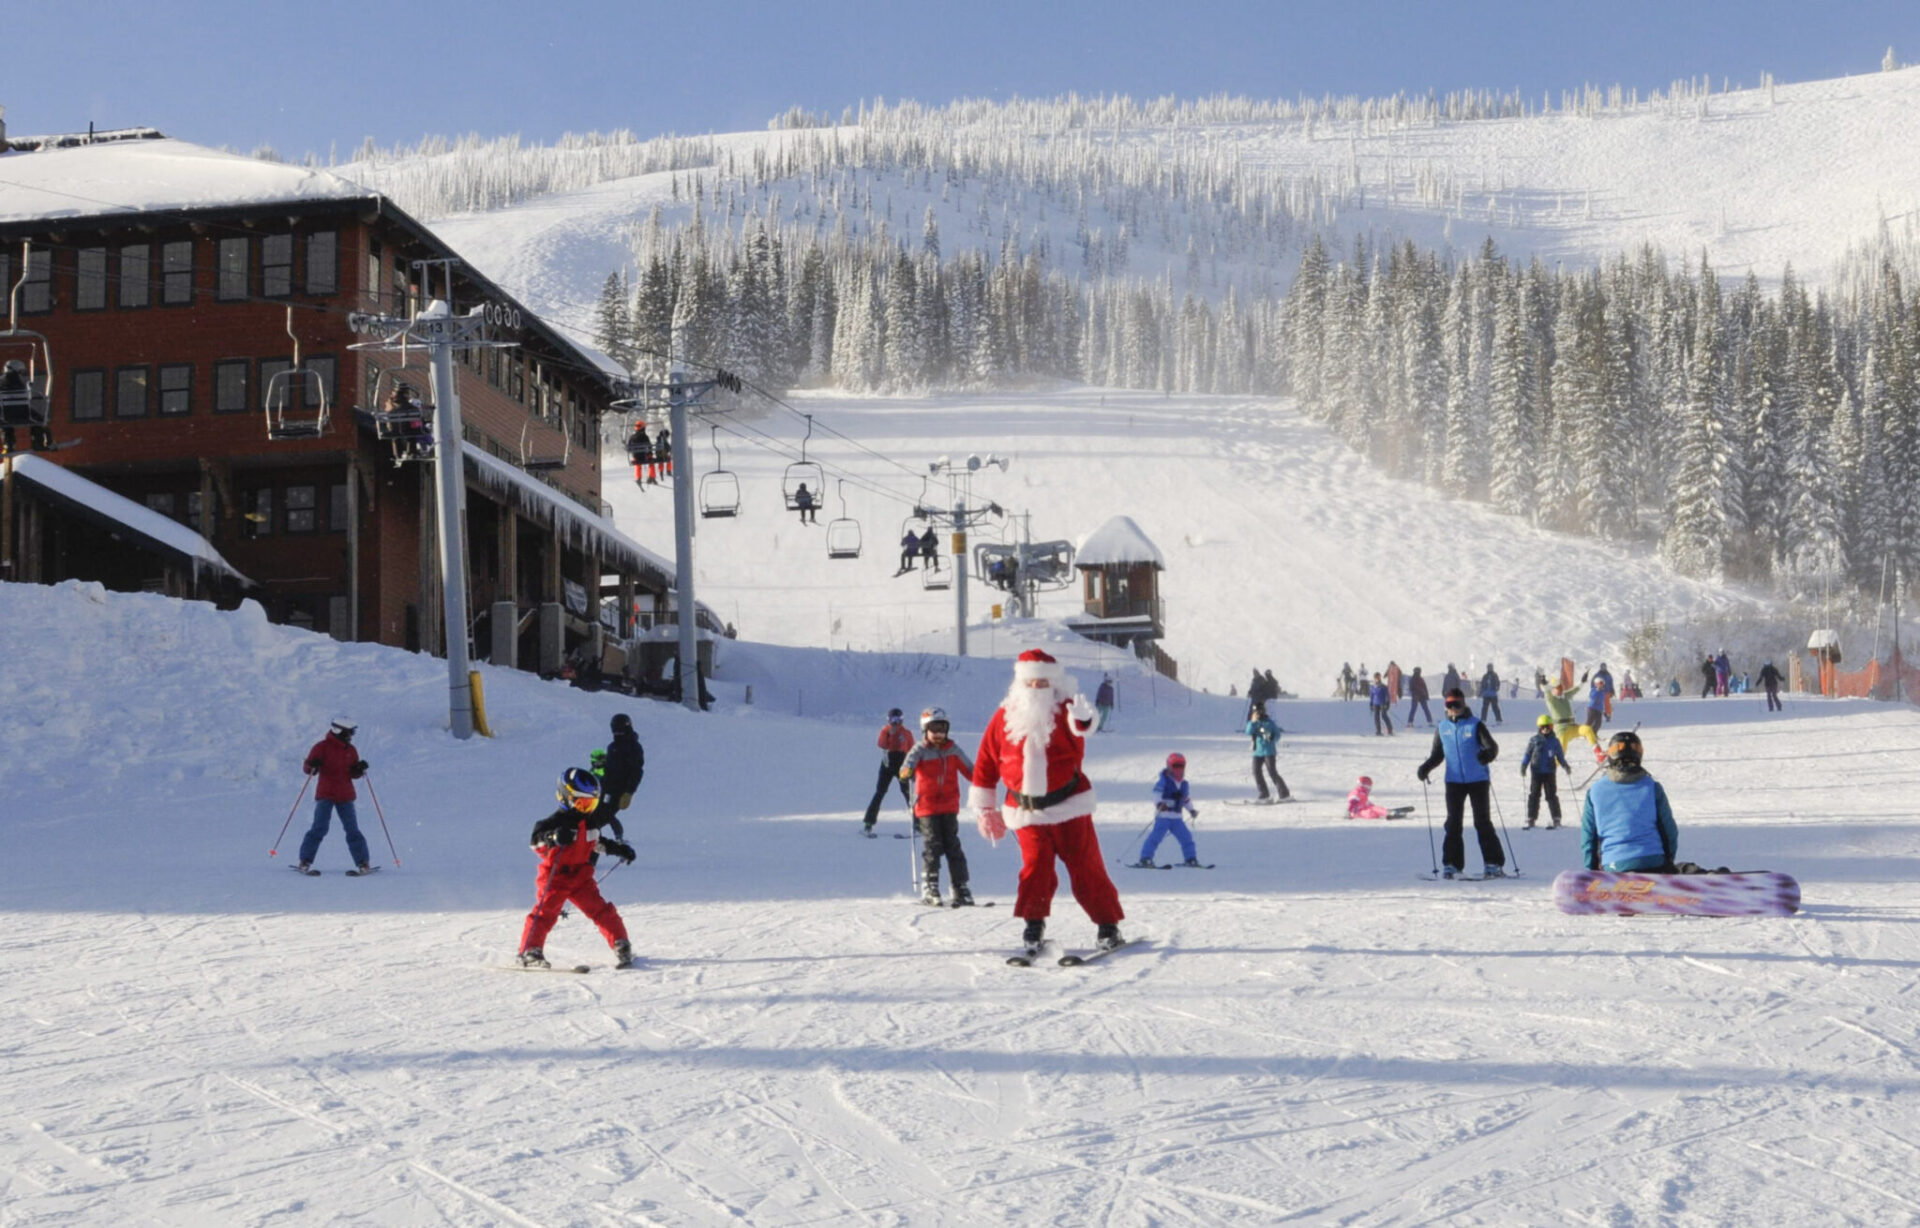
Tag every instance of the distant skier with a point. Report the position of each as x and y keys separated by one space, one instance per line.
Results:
x=1707 y=675
x=1626 y=823
x=909 y=550
x=1266 y=752
x=1395 y=681
x=936 y=767
x=1171 y=797
x=894 y=743
x=1536 y=767
x=1381 y=705
x=335 y=761
x=1450 y=681
x=1560 y=706
x=1035 y=745
x=1722 y=671
x=1770 y=682
x=1596 y=712
x=930 y=550
x=662 y=455
x=1490 y=695
x=567 y=841
x=1360 y=803
x=1103 y=701
x=1345 y=681
x=803 y=503
x=639 y=453
x=1417 y=697
x=1603 y=678
x=625 y=766
x=1466 y=747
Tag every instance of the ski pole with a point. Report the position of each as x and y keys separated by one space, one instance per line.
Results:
x=913 y=855
x=375 y=795
x=275 y=850
x=1501 y=814
x=1426 y=792
x=617 y=863
x=1140 y=836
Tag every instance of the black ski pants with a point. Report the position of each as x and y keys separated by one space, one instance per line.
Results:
x=1382 y=713
x=1266 y=763
x=1773 y=700
x=889 y=771
x=940 y=836
x=1453 y=848
x=1543 y=784
x=1493 y=702
x=1418 y=705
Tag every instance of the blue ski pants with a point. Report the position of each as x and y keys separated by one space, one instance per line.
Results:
x=323 y=812
x=1164 y=823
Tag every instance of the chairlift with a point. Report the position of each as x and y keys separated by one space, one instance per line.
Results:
x=802 y=472
x=843 y=534
x=719 y=488
x=400 y=418
x=26 y=375
x=936 y=578
x=290 y=394
x=543 y=464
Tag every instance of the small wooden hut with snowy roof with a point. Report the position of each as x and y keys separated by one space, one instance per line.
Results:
x=1120 y=571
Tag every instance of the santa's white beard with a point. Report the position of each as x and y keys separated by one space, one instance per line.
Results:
x=1030 y=712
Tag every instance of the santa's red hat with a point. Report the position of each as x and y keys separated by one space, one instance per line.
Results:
x=1036 y=664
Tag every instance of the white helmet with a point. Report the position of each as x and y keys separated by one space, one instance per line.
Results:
x=931 y=715
x=344 y=727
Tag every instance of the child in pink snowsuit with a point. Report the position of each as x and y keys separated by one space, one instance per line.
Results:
x=1359 y=806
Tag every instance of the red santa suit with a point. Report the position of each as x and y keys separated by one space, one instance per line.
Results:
x=1048 y=799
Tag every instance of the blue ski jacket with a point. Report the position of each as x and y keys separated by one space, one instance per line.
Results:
x=1171 y=796
x=1461 y=741
x=1627 y=823
x=1543 y=751
x=1265 y=735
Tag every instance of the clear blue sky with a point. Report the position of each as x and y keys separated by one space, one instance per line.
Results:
x=299 y=77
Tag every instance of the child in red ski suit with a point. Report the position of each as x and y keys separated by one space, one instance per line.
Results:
x=936 y=767
x=568 y=841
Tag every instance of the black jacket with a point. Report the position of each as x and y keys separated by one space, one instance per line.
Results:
x=626 y=764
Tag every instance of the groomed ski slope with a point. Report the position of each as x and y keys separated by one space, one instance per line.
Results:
x=191 y=1035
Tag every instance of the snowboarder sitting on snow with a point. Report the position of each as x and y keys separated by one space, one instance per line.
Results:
x=936 y=767
x=894 y=743
x=1266 y=749
x=1627 y=823
x=335 y=761
x=1360 y=803
x=1466 y=747
x=567 y=841
x=1171 y=796
x=625 y=765
x=1543 y=751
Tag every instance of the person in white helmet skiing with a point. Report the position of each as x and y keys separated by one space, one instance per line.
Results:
x=335 y=761
x=936 y=767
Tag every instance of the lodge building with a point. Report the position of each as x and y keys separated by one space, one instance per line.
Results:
x=172 y=284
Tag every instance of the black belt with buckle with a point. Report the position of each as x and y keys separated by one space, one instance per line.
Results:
x=1026 y=801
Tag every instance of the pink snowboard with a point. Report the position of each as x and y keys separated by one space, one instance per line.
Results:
x=1752 y=893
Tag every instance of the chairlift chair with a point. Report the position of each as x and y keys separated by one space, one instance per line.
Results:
x=400 y=420
x=719 y=488
x=296 y=401
x=26 y=373
x=802 y=472
x=843 y=534
x=936 y=579
x=543 y=464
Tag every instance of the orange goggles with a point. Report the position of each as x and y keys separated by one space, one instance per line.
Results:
x=585 y=804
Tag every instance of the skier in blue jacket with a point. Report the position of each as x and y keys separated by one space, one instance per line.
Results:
x=1467 y=748
x=1627 y=823
x=1171 y=798
x=1266 y=749
x=1543 y=752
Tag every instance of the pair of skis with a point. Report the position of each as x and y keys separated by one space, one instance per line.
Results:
x=1025 y=959
x=310 y=872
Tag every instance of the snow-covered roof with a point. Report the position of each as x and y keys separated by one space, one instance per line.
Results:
x=152 y=176
x=580 y=527
x=1115 y=542
x=163 y=533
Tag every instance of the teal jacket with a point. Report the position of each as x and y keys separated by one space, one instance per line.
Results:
x=1265 y=735
x=1627 y=823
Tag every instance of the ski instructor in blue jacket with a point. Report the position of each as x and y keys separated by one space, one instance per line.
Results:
x=1466 y=746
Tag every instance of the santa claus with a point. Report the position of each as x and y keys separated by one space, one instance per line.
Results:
x=1033 y=748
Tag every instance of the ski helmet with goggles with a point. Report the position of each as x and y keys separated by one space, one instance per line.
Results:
x=1176 y=760
x=342 y=728
x=579 y=789
x=934 y=716
x=1366 y=782
x=1545 y=721
x=1623 y=749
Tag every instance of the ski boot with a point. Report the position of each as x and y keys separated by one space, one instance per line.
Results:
x=962 y=897
x=1495 y=872
x=931 y=896
x=1108 y=937
x=1142 y=864
x=1448 y=871
x=623 y=954
x=533 y=957
x=1034 y=936
x=1528 y=825
x=1193 y=862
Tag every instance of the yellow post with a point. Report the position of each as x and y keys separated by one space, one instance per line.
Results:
x=479 y=704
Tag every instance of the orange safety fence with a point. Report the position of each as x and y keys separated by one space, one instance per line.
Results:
x=1874 y=680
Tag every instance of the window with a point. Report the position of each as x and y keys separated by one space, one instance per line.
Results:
x=230 y=386
x=130 y=392
x=136 y=275
x=90 y=279
x=323 y=262
x=89 y=395
x=193 y=517
x=176 y=389
x=276 y=265
x=36 y=296
x=337 y=507
x=282 y=392
x=301 y=514
x=373 y=273
x=232 y=280
x=516 y=381
x=257 y=512
x=324 y=368
x=176 y=273
x=161 y=502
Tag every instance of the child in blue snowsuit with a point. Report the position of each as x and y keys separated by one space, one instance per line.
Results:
x=1171 y=797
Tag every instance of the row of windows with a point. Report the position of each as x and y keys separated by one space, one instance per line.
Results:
x=239 y=386
x=266 y=510
x=135 y=275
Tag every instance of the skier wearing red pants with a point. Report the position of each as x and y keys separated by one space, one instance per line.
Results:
x=1034 y=746
x=568 y=842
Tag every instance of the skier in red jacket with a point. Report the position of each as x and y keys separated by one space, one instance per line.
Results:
x=567 y=841
x=936 y=767
x=335 y=761
x=894 y=743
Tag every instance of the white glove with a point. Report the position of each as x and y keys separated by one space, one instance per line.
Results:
x=1080 y=710
x=992 y=824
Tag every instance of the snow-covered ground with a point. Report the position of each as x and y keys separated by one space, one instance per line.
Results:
x=194 y=1036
